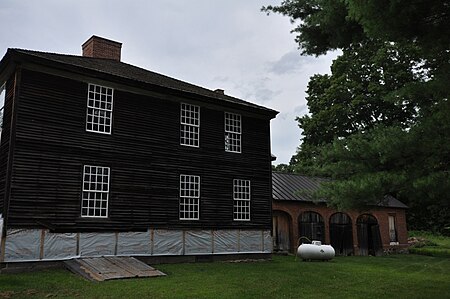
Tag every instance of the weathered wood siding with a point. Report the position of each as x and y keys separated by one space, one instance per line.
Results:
x=5 y=141
x=145 y=157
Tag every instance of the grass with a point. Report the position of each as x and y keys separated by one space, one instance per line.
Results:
x=399 y=276
x=430 y=244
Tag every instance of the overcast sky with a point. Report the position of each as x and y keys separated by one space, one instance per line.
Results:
x=229 y=45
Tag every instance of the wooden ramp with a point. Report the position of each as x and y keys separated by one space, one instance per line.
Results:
x=111 y=267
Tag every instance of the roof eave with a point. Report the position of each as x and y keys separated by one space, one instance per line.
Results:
x=18 y=56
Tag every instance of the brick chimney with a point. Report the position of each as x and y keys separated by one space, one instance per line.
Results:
x=99 y=47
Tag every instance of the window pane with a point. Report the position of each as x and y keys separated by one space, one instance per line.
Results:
x=241 y=196
x=99 y=109
x=95 y=195
x=189 y=197
x=189 y=125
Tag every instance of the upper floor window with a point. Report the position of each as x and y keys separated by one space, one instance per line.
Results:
x=189 y=197
x=94 y=202
x=233 y=130
x=99 y=109
x=189 y=125
x=2 y=94
x=241 y=197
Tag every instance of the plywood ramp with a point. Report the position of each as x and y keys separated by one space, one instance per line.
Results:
x=106 y=268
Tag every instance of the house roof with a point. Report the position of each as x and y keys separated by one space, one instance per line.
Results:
x=294 y=187
x=130 y=72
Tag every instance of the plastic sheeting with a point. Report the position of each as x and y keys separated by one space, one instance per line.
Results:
x=198 y=242
x=59 y=246
x=26 y=245
x=22 y=245
x=225 y=241
x=134 y=243
x=97 y=244
x=268 y=243
x=250 y=241
x=167 y=242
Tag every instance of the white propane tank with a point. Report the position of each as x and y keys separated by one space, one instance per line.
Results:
x=315 y=251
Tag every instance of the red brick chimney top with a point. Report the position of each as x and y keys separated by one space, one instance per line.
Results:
x=99 y=47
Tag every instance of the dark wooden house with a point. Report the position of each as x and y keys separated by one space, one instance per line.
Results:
x=366 y=232
x=99 y=157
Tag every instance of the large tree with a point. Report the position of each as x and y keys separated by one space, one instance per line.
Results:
x=379 y=123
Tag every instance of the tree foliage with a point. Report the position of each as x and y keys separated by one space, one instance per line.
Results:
x=379 y=124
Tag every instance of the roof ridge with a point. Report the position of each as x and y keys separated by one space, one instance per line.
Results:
x=206 y=91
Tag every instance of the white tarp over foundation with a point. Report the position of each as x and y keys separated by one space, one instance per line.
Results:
x=97 y=244
x=167 y=242
x=198 y=242
x=268 y=244
x=134 y=243
x=34 y=245
x=59 y=246
x=22 y=245
x=225 y=241
x=250 y=241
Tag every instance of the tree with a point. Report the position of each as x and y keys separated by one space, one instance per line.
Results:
x=282 y=168
x=378 y=124
x=357 y=97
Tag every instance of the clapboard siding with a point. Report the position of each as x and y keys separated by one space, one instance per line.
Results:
x=145 y=157
x=5 y=141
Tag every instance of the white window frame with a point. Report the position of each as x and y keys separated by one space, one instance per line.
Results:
x=2 y=93
x=189 y=125
x=233 y=132
x=241 y=200
x=100 y=100
x=95 y=191
x=189 y=204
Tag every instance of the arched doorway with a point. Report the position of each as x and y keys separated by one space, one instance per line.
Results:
x=369 y=239
x=341 y=236
x=311 y=225
x=282 y=224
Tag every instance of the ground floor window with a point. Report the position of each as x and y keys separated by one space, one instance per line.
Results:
x=95 y=196
x=392 y=230
x=241 y=197
x=189 y=197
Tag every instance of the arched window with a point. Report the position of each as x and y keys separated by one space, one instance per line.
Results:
x=369 y=239
x=341 y=236
x=311 y=226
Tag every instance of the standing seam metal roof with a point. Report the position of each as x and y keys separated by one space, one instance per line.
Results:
x=294 y=187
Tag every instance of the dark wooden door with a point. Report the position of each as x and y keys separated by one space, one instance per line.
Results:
x=341 y=236
x=281 y=229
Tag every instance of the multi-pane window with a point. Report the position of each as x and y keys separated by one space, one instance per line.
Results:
x=99 y=109
x=241 y=196
x=95 y=191
x=189 y=125
x=189 y=197
x=232 y=132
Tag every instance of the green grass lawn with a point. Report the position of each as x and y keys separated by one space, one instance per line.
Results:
x=394 y=276
x=432 y=244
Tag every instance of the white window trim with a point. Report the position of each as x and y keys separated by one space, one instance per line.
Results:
x=190 y=125
x=99 y=191
x=235 y=199
x=183 y=197
x=233 y=132
x=112 y=109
